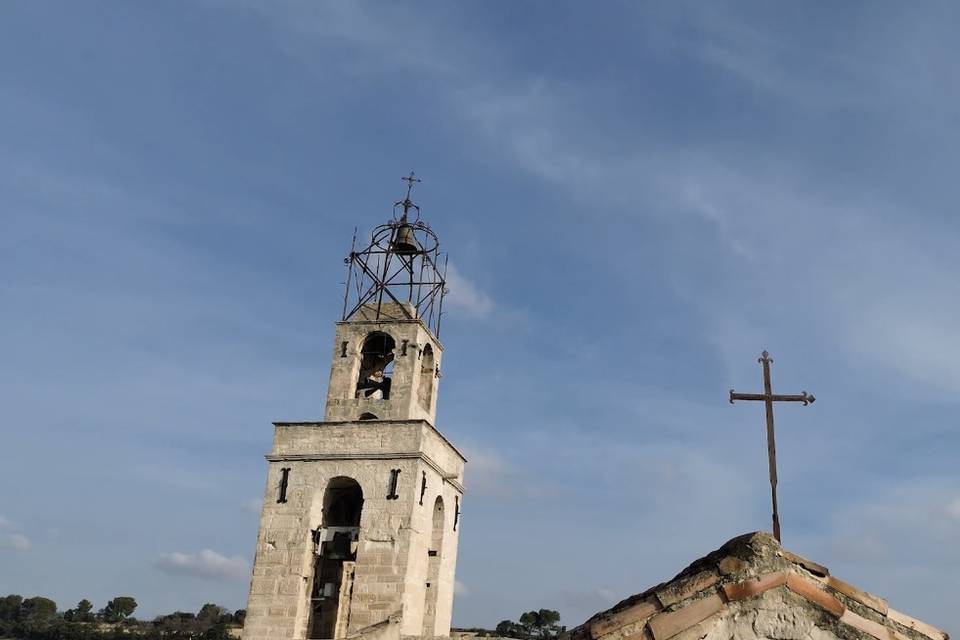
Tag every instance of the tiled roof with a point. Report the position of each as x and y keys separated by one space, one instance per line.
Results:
x=751 y=587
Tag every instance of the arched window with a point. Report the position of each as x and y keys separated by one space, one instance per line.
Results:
x=376 y=366
x=336 y=557
x=368 y=416
x=342 y=503
x=428 y=378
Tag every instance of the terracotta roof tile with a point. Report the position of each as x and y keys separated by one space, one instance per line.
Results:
x=869 y=600
x=667 y=625
x=813 y=594
x=812 y=567
x=875 y=629
x=636 y=613
x=754 y=587
x=912 y=623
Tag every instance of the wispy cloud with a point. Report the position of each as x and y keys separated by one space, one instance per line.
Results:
x=16 y=541
x=490 y=474
x=207 y=564
x=465 y=297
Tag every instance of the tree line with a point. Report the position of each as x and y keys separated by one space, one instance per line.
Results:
x=38 y=618
x=543 y=624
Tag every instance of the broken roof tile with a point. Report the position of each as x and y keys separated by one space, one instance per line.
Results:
x=677 y=591
x=812 y=567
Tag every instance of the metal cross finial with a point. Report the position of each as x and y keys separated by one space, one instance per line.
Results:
x=411 y=180
x=768 y=398
x=406 y=203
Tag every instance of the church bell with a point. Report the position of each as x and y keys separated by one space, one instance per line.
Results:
x=404 y=242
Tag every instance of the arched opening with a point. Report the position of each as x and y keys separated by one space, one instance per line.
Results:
x=336 y=555
x=434 y=557
x=376 y=366
x=428 y=378
x=368 y=416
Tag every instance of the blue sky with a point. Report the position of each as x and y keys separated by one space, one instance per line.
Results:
x=637 y=198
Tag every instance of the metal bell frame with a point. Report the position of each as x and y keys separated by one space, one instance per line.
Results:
x=402 y=264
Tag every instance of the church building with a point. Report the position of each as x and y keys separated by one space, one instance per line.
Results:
x=361 y=516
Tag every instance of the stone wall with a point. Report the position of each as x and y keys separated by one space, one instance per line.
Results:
x=392 y=555
x=410 y=338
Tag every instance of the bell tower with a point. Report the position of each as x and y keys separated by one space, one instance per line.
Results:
x=359 y=528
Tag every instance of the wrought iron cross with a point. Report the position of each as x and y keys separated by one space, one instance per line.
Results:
x=411 y=180
x=768 y=398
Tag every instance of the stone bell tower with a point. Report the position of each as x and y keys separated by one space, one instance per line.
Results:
x=359 y=529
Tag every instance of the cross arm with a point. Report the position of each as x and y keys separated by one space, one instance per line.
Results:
x=745 y=396
x=803 y=397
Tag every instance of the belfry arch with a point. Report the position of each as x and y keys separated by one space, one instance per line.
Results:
x=428 y=374
x=376 y=366
x=336 y=541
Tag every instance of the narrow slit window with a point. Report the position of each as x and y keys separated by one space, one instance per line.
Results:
x=284 y=482
x=394 y=480
x=456 y=512
x=423 y=486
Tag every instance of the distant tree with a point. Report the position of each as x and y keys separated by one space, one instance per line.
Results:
x=177 y=623
x=83 y=612
x=38 y=609
x=217 y=632
x=117 y=609
x=511 y=629
x=239 y=616
x=533 y=625
x=10 y=608
x=209 y=614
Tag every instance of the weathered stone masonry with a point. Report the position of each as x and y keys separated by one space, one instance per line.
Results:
x=365 y=539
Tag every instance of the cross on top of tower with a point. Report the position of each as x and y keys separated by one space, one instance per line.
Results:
x=410 y=180
x=407 y=203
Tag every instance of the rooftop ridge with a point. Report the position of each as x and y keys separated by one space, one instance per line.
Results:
x=719 y=592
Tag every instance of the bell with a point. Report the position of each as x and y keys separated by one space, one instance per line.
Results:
x=404 y=242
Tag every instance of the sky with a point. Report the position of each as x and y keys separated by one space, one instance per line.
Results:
x=637 y=198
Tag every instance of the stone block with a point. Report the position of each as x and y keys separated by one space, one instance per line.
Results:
x=263 y=586
x=290 y=586
x=731 y=565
